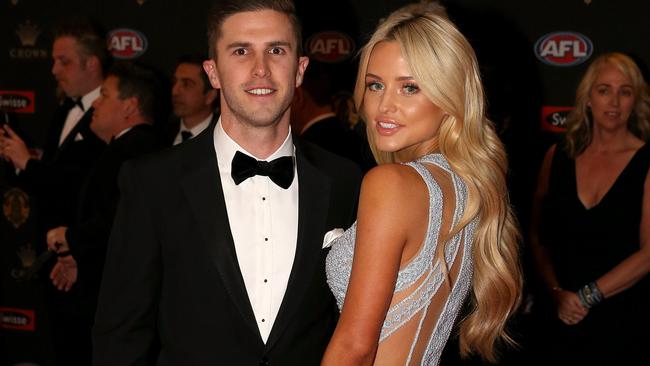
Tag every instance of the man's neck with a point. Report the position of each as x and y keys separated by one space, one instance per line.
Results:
x=259 y=141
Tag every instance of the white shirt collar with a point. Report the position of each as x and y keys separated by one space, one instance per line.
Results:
x=88 y=99
x=198 y=128
x=226 y=148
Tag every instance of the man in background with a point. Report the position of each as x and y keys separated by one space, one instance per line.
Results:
x=123 y=118
x=193 y=99
x=54 y=180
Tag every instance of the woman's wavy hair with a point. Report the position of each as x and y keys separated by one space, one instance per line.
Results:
x=580 y=121
x=445 y=66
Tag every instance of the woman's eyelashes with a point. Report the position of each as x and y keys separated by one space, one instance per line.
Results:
x=409 y=88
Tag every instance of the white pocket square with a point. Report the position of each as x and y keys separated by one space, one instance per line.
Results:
x=78 y=137
x=330 y=236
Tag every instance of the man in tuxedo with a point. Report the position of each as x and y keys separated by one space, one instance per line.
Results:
x=122 y=117
x=193 y=98
x=54 y=181
x=216 y=250
x=80 y=56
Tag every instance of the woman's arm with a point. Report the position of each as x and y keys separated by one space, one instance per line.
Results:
x=392 y=198
x=637 y=265
x=569 y=308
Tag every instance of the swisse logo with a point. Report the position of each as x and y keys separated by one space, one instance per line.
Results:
x=17 y=101
x=330 y=46
x=554 y=118
x=563 y=48
x=126 y=43
x=17 y=319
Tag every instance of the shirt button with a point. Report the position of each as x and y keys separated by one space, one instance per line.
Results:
x=266 y=239
x=263 y=198
x=263 y=320
x=265 y=280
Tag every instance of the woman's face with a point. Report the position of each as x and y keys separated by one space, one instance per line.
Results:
x=399 y=115
x=611 y=99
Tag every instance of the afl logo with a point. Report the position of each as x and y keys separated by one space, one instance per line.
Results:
x=563 y=48
x=330 y=46
x=126 y=43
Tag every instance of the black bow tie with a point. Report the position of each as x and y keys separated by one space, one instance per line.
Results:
x=280 y=170
x=79 y=104
x=186 y=135
x=71 y=103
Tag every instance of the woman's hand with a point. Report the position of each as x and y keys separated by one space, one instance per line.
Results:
x=568 y=306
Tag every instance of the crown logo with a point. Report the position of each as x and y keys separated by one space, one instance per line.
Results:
x=28 y=33
x=27 y=255
x=16 y=207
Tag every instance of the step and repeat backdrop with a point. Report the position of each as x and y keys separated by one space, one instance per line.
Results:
x=532 y=55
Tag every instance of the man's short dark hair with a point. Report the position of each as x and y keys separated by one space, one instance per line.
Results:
x=197 y=60
x=139 y=81
x=225 y=8
x=90 y=36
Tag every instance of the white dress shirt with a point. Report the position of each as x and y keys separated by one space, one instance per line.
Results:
x=75 y=114
x=263 y=219
x=194 y=130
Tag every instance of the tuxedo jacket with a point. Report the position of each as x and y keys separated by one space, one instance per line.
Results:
x=88 y=235
x=171 y=273
x=56 y=179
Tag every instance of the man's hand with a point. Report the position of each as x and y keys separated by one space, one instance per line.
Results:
x=56 y=240
x=13 y=148
x=64 y=273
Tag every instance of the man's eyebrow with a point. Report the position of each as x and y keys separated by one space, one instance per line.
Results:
x=238 y=44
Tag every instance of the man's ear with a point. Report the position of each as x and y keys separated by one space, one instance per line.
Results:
x=210 y=68
x=131 y=106
x=302 y=66
x=92 y=63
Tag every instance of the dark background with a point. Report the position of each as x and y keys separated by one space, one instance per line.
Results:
x=503 y=33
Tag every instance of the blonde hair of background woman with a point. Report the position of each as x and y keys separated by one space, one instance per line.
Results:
x=445 y=66
x=579 y=122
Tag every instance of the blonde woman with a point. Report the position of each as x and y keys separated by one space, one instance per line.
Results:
x=434 y=227
x=592 y=249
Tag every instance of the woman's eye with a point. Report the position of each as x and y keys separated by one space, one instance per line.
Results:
x=374 y=86
x=411 y=89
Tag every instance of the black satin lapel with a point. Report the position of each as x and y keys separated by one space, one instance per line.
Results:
x=313 y=206
x=204 y=192
x=84 y=123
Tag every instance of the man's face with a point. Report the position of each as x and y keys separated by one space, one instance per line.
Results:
x=70 y=69
x=257 y=68
x=109 y=109
x=188 y=93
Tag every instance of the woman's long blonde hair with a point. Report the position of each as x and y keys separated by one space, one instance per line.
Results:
x=579 y=122
x=445 y=66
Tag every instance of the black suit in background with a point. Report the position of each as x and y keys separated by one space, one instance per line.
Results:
x=56 y=179
x=330 y=134
x=87 y=238
x=171 y=271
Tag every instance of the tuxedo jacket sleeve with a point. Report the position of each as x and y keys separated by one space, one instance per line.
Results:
x=171 y=274
x=56 y=180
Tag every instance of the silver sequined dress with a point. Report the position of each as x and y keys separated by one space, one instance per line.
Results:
x=418 y=281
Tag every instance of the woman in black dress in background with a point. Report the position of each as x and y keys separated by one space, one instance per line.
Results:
x=591 y=237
